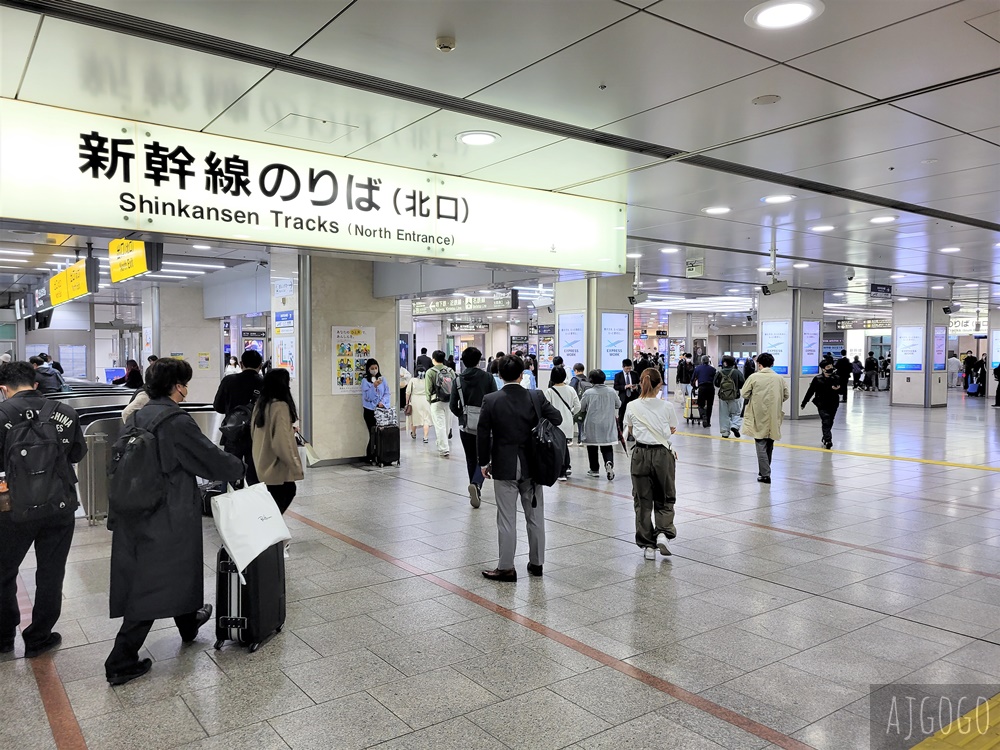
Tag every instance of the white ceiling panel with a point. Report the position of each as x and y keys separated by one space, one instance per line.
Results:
x=939 y=187
x=280 y=25
x=932 y=48
x=659 y=186
x=89 y=69
x=17 y=31
x=395 y=39
x=971 y=106
x=942 y=156
x=363 y=117
x=866 y=132
x=635 y=59
x=727 y=112
x=431 y=144
x=990 y=134
x=842 y=19
x=561 y=164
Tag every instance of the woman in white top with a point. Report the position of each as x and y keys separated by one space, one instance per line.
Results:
x=567 y=403
x=651 y=421
x=420 y=409
x=232 y=367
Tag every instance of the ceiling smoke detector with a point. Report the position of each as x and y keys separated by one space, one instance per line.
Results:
x=766 y=99
x=445 y=43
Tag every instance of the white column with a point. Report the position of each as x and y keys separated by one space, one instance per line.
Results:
x=919 y=337
x=787 y=321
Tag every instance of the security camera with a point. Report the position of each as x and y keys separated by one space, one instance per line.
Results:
x=952 y=307
x=549 y=308
x=638 y=298
x=749 y=318
x=775 y=287
x=850 y=273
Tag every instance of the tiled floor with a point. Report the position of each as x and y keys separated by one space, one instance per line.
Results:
x=780 y=608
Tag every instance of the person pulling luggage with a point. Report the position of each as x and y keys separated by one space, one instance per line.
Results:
x=157 y=558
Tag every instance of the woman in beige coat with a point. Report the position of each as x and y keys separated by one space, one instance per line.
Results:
x=765 y=391
x=275 y=452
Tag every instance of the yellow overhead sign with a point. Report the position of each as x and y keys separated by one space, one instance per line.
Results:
x=128 y=259
x=58 y=289
x=76 y=281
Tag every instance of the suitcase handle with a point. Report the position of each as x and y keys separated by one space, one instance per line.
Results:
x=228 y=566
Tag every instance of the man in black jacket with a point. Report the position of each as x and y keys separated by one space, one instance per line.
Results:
x=824 y=390
x=241 y=389
x=49 y=528
x=627 y=387
x=685 y=369
x=844 y=370
x=504 y=437
x=466 y=401
x=423 y=363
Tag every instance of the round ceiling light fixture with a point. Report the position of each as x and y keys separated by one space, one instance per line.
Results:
x=882 y=219
x=202 y=247
x=663 y=281
x=477 y=137
x=838 y=294
x=950 y=249
x=716 y=210
x=937 y=287
x=774 y=199
x=898 y=276
x=822 y=228
x=669 y=250
x=783 y=14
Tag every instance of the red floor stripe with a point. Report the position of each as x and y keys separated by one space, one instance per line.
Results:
x=713 y=709
x=62 y=721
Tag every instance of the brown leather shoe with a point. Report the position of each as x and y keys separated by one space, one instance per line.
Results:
x=503 y=576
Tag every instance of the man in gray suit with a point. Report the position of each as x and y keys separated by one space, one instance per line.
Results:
x=504 y=435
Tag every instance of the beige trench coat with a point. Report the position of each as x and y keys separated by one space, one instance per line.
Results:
x=765 y=391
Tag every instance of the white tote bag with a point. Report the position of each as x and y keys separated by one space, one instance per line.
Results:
x=249 y=522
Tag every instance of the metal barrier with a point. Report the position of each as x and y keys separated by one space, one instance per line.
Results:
x=100 y=434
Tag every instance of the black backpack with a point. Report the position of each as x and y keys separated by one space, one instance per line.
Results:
x=137 y=484
x=236 y=426
x=37 y=472
x=547 y=450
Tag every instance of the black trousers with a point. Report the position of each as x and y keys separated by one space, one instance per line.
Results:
x=826 y=418
x=283 y=494
x=245 y=454
x=370 y=422
x=52 y=538
x=844 y=380
x=607 y=454
x=706 y=400
x=471 y=458
x=132 y=634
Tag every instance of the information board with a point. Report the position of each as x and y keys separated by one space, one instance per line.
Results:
x=774 y=339
x=941 y=347
x=614 y=341
x=995 y=347
x=810 y=347
x=572 y=338
x=908 y=346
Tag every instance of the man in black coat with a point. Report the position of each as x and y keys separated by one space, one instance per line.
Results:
x=627 y=388
x=423 y=363
x=466 y=401
x=241 y=389
x=824 y=390
x=844 y=370
x=50 y=529
x=504 y=436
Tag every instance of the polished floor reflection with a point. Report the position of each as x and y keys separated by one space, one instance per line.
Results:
x=780 y=610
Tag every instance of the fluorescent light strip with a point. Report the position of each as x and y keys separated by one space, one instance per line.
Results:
x=192 y=265
x=165 y=276
x=25 y=253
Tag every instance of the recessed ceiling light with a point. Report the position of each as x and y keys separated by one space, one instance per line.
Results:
x=822 y=228
x=838 y=294
x=783 y=14
x=800 y=265
x=883 y=219
x=662 y=281
x=972 y=285
x=202 y=247
x=898 y=276
x=716 y=210
x=902 y=299
x=633 y=255
x=477 y=137
x=669 y=250
x=950 y=249
x=732 y=290
x=766 y=269
x=778 y=199
x=937 y=287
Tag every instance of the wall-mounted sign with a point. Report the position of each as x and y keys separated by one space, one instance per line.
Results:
x=941 y=347
x=283 y=287
x=868 y=323
x=661 y=334
x=994 y=348
x=518 y=344
x=547 y=329
x=352 y=347
x=572 y=338
x=694 y=269
x=254 y=333
x=284 y=323
x=131 y=258
x=880 y=291
x=908 y=349
x=79 y=169
x=810 y=347
x=479 y=303
x=80 y=279
x=546 y=352
x=774 y=339
x=469 y=327
x=614 y=341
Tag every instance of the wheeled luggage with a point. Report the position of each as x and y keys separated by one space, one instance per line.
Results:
x=692 y=413
x=386 y=442
x=251 y=613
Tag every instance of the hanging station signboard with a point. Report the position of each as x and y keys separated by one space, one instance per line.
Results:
x=73 y=168
x=506 y=300
x=131 y=258
x=79 y=280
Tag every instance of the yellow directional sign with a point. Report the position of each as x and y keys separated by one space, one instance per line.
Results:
x=128 y=259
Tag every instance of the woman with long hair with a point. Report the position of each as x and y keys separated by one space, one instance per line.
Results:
x=232 y=366
x=132 y=377
x=420 y=409
x=651 y=421
x=272 y=431
x=374 y=395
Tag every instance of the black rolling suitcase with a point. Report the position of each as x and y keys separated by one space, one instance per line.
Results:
x=386 y=442
x=252 y=613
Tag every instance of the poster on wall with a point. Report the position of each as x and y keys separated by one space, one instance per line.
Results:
x=518 y=344
x=941 y=347
x=614 y=340
x=546 y=352
x=352 y=346
x=810 y=347
x=572 y=338
x=908 y=346
x=284 y=354
x=994 y=348
x=147 y=341
x=774 y=340
x=204 y=360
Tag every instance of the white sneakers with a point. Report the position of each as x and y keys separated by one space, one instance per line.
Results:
x=649 y=553
x=661 y=542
